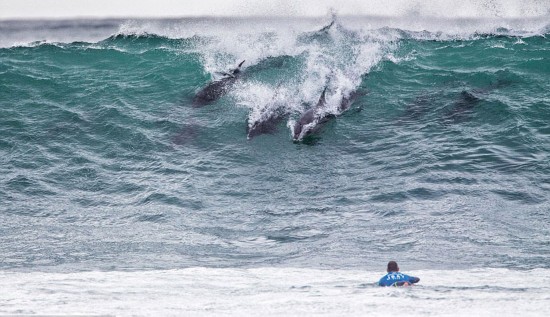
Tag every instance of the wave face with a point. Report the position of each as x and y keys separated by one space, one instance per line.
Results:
x=441 y=161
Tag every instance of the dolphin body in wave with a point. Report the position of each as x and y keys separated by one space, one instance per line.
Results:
x=265 y=126
x=313 y=119
x=462 y=108
x=215 y=89
x=269 y=120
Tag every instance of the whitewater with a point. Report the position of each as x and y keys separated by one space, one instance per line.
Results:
x=120 y=196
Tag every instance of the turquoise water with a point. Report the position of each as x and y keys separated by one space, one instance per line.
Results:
x=441 y=162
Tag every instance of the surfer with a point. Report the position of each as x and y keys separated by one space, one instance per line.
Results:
x=395 y=278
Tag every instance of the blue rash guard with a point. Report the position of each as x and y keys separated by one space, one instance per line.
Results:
x=397 y=279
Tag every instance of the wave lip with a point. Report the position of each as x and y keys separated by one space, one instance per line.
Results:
x=23 y=32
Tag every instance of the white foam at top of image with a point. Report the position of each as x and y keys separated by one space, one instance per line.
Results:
x=10 y=9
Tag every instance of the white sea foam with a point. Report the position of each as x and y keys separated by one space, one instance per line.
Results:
x=396 y=8
x=168 y=8
x=275 y=292
x=334 y=57
x=427 y=25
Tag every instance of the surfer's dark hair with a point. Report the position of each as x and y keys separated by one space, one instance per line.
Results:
x=392 y=266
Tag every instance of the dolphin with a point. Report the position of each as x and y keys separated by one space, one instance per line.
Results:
x=461 y=109
x=265 y=126
x=270 y=118
x=313 y=119
x=417 y=109
x=346 y=102
x=464 y=107
x=215 y=89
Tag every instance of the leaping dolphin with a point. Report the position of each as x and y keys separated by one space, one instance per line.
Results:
x=215 y=89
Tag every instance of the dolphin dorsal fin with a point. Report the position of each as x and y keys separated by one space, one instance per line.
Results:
x=238 y=69
x=323 y=94
x=326 y=28
x=322 y=99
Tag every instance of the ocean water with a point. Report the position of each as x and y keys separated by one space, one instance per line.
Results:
x=120 y=196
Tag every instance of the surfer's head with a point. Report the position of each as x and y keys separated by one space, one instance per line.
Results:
x=393 y=267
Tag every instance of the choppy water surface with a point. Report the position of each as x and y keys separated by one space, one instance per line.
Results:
x=441 y=162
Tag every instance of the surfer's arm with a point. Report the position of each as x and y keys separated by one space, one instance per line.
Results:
x=413 y=279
